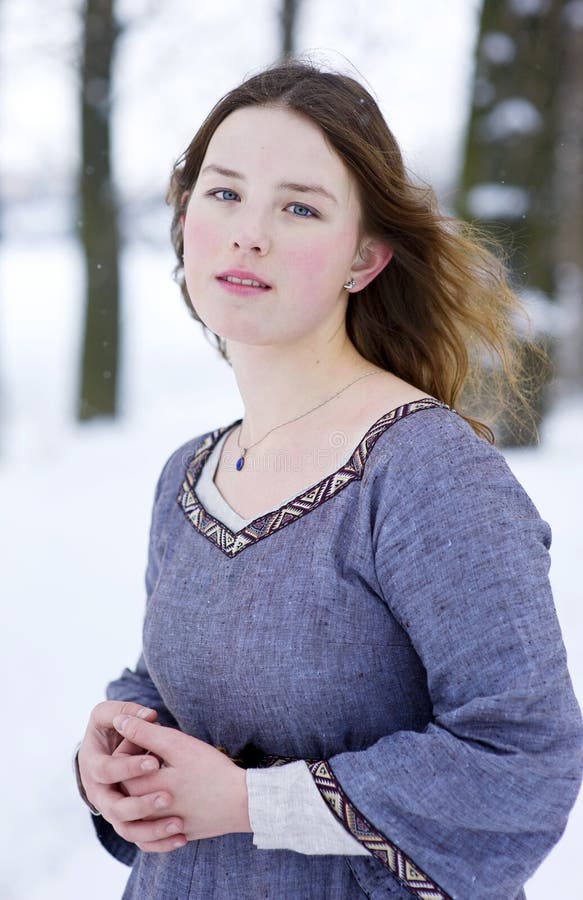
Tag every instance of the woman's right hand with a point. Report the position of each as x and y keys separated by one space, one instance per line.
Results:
x=103 y=770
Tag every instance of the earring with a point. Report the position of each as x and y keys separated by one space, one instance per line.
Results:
x=349 y=284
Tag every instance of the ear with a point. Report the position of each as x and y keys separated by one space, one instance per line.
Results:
x=183 y=205
x=372 y=258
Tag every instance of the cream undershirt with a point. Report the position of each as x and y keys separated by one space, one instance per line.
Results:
x=286 y=809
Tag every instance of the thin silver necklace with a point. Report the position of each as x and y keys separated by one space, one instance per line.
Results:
x=243 y=450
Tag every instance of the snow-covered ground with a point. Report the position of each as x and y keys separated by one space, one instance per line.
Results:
x=76 y=500
x=73 y=524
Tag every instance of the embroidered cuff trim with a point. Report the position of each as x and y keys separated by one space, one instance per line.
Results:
x=403 y=868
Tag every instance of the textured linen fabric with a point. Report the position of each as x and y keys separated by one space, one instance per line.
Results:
x=286 y=810
x=395 y=622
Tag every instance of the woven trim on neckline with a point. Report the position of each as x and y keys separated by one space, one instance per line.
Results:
x=231 y=543
x=403 y=868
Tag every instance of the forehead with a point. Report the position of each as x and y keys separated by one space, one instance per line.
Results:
x=278 y=142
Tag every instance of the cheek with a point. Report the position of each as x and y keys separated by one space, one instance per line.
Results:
x=199 y=238
x=317 y=261
x=200 y=251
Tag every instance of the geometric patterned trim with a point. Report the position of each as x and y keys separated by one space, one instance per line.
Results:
x=231 y=543
x=405 y=871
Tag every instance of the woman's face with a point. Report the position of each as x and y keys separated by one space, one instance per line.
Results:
x=273 y=204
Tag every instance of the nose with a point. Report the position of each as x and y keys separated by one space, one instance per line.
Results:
x=250 y=235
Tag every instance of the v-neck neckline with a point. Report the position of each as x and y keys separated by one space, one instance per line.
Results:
x=262 y=526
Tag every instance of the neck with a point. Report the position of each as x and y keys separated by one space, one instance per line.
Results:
x=279 y=383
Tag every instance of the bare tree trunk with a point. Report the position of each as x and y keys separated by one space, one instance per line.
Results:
x=288 y=15
x=99 y=227
x=507 y=181
x=568 y=246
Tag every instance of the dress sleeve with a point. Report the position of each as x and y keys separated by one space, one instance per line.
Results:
x=470 y=805
x=136 y=684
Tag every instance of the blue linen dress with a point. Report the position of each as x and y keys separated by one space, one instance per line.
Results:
x=393 y=626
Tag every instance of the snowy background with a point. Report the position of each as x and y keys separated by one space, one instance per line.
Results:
x=75 y=501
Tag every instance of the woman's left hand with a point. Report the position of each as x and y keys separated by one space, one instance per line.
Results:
x=210 y=789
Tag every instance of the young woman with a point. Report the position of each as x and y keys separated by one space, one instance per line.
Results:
x=349 y=642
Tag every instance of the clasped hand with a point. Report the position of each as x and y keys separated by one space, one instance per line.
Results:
x=157 y=786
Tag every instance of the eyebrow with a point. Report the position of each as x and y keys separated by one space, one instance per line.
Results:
x=284 y=186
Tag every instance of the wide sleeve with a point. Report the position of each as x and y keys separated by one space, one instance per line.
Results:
x=470 y=805
x=136 y=684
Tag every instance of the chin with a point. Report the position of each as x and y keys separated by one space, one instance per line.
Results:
x=238 y=332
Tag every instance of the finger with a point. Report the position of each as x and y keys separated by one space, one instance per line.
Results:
x=103 y=714
x=147 y=784
x=164 y=846
x=128 y=748
x=104 y=797
x=150 y=806
x=156 y=738
x=149 y=831
x=105 y=769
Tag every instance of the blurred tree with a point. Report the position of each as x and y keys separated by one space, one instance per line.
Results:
x=510 y=180
x=98 y=214
x=568 y=186
x=288 y=16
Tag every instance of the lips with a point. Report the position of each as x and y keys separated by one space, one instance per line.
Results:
x=243 y=279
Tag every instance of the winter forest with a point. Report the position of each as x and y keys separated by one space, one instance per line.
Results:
x=103 y=373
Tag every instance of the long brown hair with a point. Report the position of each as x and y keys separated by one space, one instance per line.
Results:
x=441 y=314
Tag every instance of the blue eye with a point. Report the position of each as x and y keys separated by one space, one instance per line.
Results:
x=233 y=195
x=302 y=212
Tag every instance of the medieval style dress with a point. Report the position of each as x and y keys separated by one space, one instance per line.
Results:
x=382 y=654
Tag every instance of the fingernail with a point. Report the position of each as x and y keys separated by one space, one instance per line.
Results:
x=148 y=765
x=172 y=829
x=120 y=722
x=178 y=844
x=143 y=713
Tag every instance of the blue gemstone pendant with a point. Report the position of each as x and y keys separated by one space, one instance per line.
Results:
x=240 y=463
